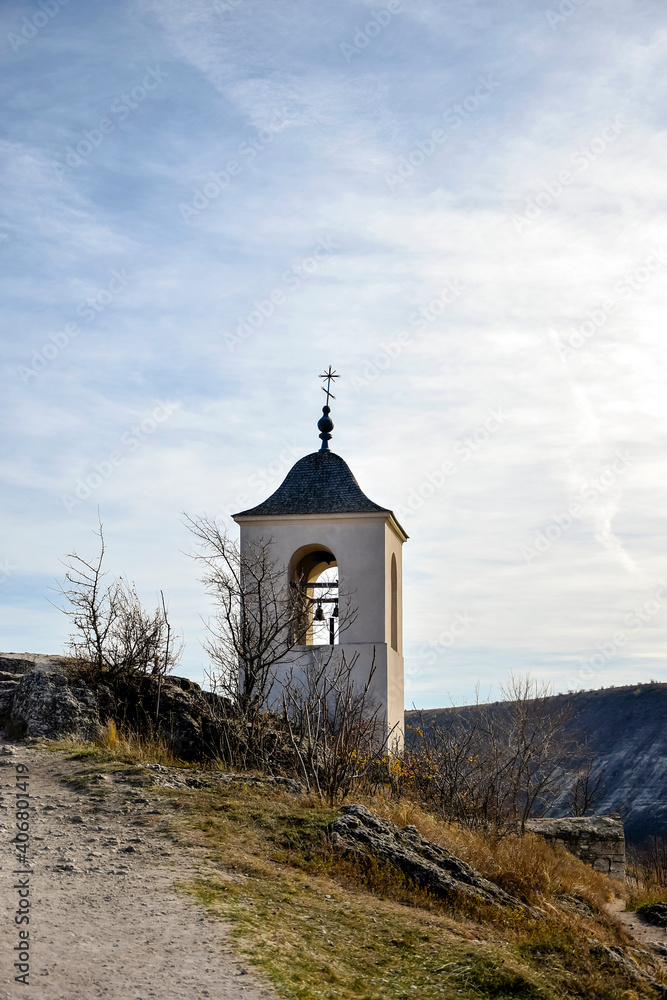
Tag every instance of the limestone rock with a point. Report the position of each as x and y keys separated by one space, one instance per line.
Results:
x=8 y=685
x=185 y=716
x=25 y=663
x=51 y=706
x=597 y=840
x=424 y=863
x=623 y=958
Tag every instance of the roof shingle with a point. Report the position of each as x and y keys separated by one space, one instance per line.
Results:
x=320 y=483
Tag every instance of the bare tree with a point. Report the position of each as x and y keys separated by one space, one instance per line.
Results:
x=336 y=729
x=585 y=787
x=539 y=750
x=647 y=862
x=493 y=765
x=114 y=637
x=258 y=618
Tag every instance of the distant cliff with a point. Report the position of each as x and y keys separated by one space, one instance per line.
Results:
x=627 y=729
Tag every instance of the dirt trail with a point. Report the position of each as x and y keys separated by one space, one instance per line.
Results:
x=106 y=920
x=646 y=934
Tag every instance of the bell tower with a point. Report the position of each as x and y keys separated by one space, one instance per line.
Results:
x=340 y=548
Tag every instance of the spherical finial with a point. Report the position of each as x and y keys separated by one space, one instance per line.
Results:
x=325 y=425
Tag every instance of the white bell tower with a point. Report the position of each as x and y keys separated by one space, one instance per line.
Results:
x=333 y=540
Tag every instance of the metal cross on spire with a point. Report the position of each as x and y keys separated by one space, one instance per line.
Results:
x=325 y=424
x=331 y=374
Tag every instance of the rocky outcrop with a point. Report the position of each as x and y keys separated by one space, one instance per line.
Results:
x=51 y=705
x=25 y=663
x=425 y=864
x=41 y=696
x=186 y=715
x=13 y=667
x=597 y=840
x=628 y=962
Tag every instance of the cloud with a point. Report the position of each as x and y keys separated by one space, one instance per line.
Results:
x=330 y=149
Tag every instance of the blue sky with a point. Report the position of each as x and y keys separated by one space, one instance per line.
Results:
x=460 y=205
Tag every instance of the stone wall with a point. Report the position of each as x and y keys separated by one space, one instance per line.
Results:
x=597 y=840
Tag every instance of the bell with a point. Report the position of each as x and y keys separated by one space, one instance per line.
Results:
x=319 y=613
x=335 y=611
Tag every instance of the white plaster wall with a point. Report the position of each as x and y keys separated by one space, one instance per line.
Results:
x=363 y=545
x=359 y=544
x=386 y=689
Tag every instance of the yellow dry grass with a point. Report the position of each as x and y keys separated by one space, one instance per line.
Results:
x=525 y=866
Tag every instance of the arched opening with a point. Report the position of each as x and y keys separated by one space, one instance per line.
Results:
x=314 y=578
x=394 y=603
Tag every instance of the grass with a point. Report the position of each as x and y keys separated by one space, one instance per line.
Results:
x=643 y=895
x=124 y=745
x=320 y=925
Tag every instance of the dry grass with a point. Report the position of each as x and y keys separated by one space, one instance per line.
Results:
x=124 y=745
x=527 y=867
x=322 y=926
x=642 y=894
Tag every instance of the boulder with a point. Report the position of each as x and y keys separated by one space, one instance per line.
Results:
x=654 y=913
x=186 y=715
x=426 y=864
x=42 y=695
x=8 y=686
x=51 y=706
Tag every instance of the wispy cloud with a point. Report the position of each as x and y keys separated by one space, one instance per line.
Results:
x=267 y=85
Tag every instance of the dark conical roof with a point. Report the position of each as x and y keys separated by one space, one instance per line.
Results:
x=321 y=483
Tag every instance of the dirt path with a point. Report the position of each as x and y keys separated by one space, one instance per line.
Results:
x=646 y=934
x=105 y=918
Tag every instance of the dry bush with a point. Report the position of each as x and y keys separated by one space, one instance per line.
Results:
x=495 y=766
x=114 y=638
x=337 y=734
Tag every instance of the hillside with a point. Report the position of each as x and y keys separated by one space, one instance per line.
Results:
x=246 y=887
x=627 y=729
